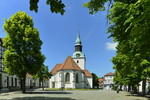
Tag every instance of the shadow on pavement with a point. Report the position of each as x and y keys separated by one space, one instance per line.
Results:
x=42 y=98
x=51 y=92
x=136 y=95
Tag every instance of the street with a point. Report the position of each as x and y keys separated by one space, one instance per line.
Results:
x=70 y=95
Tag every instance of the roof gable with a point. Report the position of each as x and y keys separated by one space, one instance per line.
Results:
x=70 y=64
x=110 y=74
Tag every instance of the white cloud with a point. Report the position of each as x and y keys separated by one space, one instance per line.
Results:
x=111 y=46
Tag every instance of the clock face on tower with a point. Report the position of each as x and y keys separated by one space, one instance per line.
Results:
x=77 y=55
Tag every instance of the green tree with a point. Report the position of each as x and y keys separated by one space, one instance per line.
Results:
x=56 y=6
x=43 y=75
x=129 y=26
x=23 y=45
x=95 y=80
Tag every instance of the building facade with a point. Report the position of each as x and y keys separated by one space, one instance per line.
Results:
x=72 y=73
x=2 y=49
x=9 y=81
x=100 y=82
x=108 y=83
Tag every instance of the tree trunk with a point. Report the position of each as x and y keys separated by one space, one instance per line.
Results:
x=144 y=87
x=120 y=88
x=129 y=87
x=39 y=84
x=24 y=84
x=43 y=84
x=21 y=84
x=135 y=89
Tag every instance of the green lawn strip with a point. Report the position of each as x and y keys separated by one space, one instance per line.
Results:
x=69 y=89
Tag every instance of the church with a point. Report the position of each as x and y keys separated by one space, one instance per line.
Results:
x=72 y=73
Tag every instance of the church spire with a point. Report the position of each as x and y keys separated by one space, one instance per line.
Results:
x=78 y=40
x=78 y=43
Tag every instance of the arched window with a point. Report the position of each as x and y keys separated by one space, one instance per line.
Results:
x=67 y=77
x=77 y=78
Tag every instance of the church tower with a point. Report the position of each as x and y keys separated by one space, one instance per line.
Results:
x=78 y=55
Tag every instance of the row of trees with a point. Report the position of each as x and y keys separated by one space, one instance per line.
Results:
x=129 y=26
x=22 y=43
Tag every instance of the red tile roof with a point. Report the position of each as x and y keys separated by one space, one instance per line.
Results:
x=56 y=68
x=110 y=74
x=100 y=79
x=87 y=73
x=70 y=64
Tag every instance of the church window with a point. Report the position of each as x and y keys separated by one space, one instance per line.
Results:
x=77 y=78
x=77 y=61
x=67 y=77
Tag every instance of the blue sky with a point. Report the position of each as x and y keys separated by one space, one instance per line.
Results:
x=58 y=33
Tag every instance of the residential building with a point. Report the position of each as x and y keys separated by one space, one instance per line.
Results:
x=108 y=81
x=1 y=57
x=100 y=82
x=147 y=90
x=10 y=81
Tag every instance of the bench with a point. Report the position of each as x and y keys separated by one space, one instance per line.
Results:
x=4 y=90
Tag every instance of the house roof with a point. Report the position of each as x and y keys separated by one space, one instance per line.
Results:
x=56 y=68
x=70 y=64
x=87 y=73
x=110 y=74
x=100 y=79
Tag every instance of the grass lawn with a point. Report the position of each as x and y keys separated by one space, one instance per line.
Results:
x=69 y=89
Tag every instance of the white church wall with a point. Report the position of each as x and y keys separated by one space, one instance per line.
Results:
x=58 y=80
x=80 y=83
x=90 y=82
x=51 y=80
x=82 y=80
x=71 y=83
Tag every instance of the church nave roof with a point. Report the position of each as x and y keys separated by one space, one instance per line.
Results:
x=69 y=64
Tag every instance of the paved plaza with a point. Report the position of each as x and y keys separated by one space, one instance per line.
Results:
x=70 y=95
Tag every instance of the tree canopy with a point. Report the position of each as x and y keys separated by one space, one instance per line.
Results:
x=22 y=44
x=129 y=25
x=43 y=74
x=56 y=6
x=95 y=80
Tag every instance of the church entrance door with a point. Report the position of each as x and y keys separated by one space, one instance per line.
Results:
x=53 y=84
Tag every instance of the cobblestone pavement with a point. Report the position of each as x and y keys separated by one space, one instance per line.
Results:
x=70 y=95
